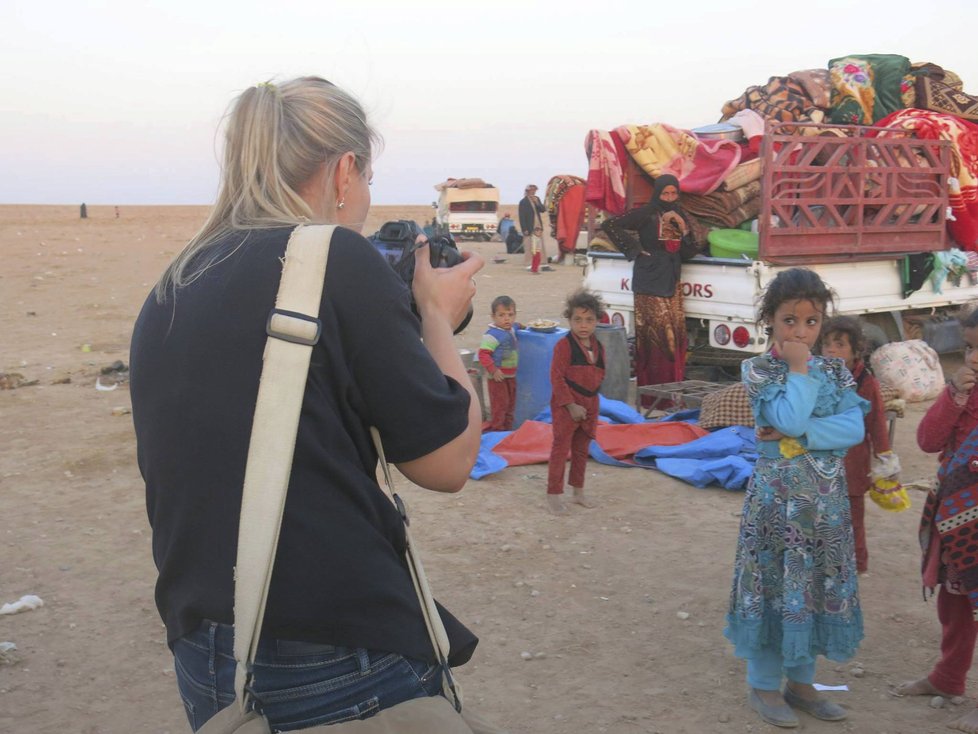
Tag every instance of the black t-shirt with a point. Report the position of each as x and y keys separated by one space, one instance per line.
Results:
x=339 y=576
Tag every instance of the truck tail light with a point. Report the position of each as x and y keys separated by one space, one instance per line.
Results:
x=721 y=335
x=741 y=337
x=604 y=318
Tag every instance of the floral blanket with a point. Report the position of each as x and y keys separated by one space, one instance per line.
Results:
x=866 y=88
x=700 y=165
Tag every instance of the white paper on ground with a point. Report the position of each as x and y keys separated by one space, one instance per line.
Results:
x=25 y=604
x=820 y=687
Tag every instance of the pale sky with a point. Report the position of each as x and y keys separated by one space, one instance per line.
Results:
x=119 y=102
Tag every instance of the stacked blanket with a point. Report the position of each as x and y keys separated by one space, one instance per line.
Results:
x=802 y=96
x=720 y=178
x=941 y=91
x=867 y=88
x=462 y=183
x=700 y=165
x=726 y=208
x=742 y=175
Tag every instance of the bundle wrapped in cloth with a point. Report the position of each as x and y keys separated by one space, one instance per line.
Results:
x=886 y=490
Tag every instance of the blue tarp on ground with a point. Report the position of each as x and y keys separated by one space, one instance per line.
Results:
x=725 y=457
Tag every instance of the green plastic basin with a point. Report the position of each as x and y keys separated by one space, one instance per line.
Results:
x=734 y=243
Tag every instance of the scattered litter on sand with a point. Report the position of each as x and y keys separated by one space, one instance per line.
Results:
x=26 y=603
x=105 y=388
x=8 y=653
x=115 y=367
x=13 y=380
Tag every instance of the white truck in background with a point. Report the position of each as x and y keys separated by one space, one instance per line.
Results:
x=720 y=298
x=469 y=210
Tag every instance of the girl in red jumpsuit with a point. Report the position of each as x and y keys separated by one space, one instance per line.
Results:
x=576 y=373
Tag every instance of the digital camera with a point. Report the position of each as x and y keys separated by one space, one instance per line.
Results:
x=396 y=242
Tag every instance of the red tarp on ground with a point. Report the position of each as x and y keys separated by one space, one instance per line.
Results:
x=531 y=442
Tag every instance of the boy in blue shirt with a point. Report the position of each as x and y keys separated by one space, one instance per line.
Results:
x=499 y=356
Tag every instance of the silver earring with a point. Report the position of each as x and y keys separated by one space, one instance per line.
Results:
x=340 y=205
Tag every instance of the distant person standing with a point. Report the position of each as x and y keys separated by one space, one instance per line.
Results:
x=83 y=211
x=505 y=224
x=117 y=212
x=531 y=224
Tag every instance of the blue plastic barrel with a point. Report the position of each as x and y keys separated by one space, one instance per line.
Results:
x=533 y=372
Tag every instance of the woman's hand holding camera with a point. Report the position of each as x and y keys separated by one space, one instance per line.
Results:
x=444 y=293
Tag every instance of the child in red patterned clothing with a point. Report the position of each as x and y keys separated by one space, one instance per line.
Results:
x=946 y=426
x=842 y=337
x=576 y=373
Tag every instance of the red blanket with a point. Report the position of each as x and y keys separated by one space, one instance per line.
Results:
x=605 y=179
x=570 y=218
x=531 y=442
x=963 y=136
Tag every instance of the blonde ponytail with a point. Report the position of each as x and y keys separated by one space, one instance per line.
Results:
x=276 y=138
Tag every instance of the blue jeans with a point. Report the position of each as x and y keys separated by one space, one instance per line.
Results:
x=297 y=684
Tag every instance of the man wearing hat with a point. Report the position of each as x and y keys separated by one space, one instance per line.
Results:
x=531 y=224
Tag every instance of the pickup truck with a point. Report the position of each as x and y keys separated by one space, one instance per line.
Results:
x=850 y=208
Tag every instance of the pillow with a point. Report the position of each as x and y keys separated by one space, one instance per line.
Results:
x=726 y=407
x=912 y=367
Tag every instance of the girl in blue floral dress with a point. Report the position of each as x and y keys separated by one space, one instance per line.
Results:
x=795 y=593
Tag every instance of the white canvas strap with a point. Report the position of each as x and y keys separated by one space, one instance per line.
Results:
x=293 y=327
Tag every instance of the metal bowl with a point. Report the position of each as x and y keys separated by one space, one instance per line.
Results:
x=719 y=131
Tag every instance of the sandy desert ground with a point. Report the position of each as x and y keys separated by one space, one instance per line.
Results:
x=594 y=597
